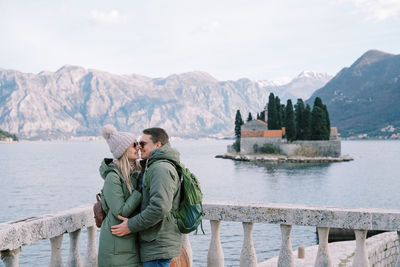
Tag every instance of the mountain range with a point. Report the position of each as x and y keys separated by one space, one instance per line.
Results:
x=74 y=101
x=364 y=99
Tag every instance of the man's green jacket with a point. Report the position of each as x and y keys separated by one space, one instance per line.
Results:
x=158 y=232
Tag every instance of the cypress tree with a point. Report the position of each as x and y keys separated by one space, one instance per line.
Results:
x=238 y=124
x=249 y=118
x=272 y=113
x=283 y=115
x=299 y=113
x=279 y=111
x=258 y=116
x=318 y=126
x=290 y=122
x=328 y=123
x=318 y=102
x=307 y=123
x=262 y=115
x=325 y=124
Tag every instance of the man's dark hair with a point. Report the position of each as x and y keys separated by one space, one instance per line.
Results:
x=157 y=134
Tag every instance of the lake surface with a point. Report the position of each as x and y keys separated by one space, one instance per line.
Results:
x=39 y=177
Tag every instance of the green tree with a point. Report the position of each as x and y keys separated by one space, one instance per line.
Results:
x=318 y=126
x=328 y=123
x=282 y=113
x=279 y=111
x=307 y=123
x=238 y=124
x=249 y=118
x=318 y=102
x=323 y=133
x=272 y=113
x=258 y=116
x=262 y=115
x=236 y=145
x=290 y=122
x=299 y=114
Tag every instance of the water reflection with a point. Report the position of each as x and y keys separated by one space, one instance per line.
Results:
x=288 y=168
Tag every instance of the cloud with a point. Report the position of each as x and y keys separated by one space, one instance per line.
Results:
x=377 y=10
x=208 y=27
x=112 y=17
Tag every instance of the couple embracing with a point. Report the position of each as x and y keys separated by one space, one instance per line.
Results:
x=138 y=197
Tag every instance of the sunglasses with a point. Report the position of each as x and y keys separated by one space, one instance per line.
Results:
x=142 y=144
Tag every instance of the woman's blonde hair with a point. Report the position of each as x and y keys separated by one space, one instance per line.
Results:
x=124 y=165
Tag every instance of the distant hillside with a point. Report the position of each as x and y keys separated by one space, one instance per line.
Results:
x=75 y=101
x=364 y=99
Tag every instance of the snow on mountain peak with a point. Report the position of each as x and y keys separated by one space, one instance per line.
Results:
x=312 y=74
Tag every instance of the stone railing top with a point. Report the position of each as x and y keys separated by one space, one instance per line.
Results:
x=337 y=217
x=14 y=234
x=27 y=231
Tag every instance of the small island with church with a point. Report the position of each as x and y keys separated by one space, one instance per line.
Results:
x=286 y=134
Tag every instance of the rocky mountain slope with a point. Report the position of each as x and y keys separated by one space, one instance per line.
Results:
x=74 y=101
x=364 y=99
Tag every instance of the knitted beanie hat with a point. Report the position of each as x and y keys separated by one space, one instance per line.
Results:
x=117 y=141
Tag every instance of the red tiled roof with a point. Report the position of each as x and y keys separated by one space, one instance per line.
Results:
x=263 y=122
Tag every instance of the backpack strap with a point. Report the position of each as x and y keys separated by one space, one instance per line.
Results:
x=148 y=169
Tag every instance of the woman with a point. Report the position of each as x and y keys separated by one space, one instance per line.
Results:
x=119 y=197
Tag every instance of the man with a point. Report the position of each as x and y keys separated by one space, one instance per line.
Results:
x=160 y=239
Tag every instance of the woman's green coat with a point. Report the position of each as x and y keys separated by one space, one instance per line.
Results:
x=117 y=200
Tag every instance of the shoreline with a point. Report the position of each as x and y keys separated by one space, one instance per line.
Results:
x=282 y=158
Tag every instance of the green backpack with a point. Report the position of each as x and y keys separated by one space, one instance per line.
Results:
x=190 y=213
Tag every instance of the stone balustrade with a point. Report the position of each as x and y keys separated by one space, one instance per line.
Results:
x=52 y=226
x=286 y=215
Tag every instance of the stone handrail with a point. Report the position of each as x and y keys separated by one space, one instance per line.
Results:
x=276 y=213
x=52 y=226
x=359 y=219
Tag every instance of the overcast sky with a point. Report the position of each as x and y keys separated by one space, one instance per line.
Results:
x=229 y=39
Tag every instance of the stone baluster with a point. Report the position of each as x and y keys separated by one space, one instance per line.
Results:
x=91 y=250
x=11 y=257
x=188 y=248
x=398 y=243
x=215 y=257
x=323 y=257
x=361 y=254
x=56 y=259
x=74 y=258
x=286 y=254
x=248 y=256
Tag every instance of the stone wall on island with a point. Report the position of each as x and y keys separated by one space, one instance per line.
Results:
x=247 y=143
x=328 y=148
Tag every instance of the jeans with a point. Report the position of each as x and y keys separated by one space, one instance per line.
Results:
x=157 y=263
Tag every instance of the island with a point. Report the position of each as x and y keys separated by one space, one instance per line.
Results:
x=293 y=136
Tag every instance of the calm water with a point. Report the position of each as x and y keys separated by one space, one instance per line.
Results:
x=38 y=177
